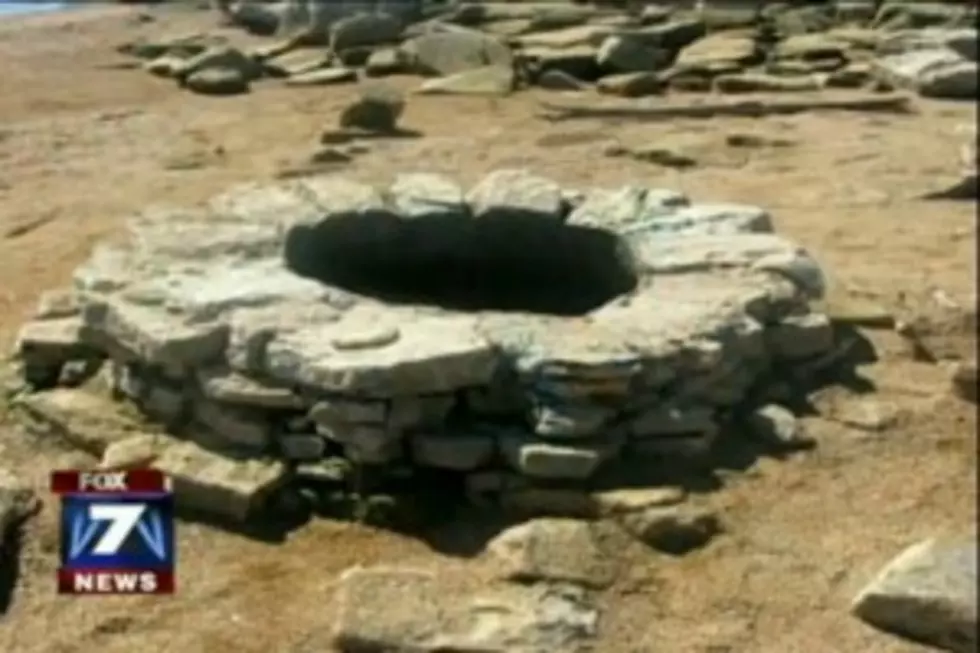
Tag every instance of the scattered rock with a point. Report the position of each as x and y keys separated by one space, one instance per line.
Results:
x=937 y=329
x=652 y=154
x=869 y=415
x=777 y=426
x=928 y=593
x=377 y=110
x=399 y=609
x=673 y=530
x=618 y=502
x=222 y=58
x=361 y=29
x=936 y=73
x=717 y=53
x=631 y=85
x=489 y=80
x=446 y=53
x=627 y=54
x=555 y=549
x=137 y=451
x=211 y=483
x=217 y=81
x=762 y=83
x=323 y=77
x=556 y=80
x=383 y=62
x=84 y=420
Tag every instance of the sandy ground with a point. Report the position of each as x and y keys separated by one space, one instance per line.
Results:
x=82 y=144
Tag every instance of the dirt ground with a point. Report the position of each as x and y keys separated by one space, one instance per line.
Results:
x=82 y=143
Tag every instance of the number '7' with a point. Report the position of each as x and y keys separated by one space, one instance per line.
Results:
x=123 y=519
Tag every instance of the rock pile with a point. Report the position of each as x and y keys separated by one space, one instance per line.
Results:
x=495 y=48
x=517 y=328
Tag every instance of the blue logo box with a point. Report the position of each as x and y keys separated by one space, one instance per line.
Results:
x=117 y=532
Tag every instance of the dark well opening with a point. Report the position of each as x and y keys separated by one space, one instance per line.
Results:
x=509 y=261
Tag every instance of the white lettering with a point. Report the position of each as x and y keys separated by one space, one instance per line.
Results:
x=122 y=518
x=103 y=481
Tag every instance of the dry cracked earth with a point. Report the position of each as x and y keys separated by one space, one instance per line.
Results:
x=82 y=143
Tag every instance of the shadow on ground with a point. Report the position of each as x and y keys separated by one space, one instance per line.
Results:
x=10 y=566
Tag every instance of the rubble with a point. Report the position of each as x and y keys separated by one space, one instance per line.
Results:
x=479 y=47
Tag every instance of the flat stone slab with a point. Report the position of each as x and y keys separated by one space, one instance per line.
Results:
x=403 y=609
x=82 y=419
x=209 y=482
x=556 y=549
x=929 y=593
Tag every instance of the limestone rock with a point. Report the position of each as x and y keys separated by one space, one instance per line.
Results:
x=625 y=54
x=720 y=52
x=961 y=41
x=455 y=451
x=225 y=59
x=626 y=500
x=135 y=452
x=208 y=482
x=556 y=80
x=631 y=85
x=45 y=346
x=542 y=460
x=362 y=29
x=938 y=73
x=618 y=208
x=402 y=609
x=384 y=61
x=919 y=15
x=85 y=420
x=323 y=77
x=377 y=109
x=180 y=45
x=801 y=336
x=229 y=387
x=928 y=592
x=762 y=83
x=571 y=37
x=672 y=35
x=217 y=81
x=777 y=426
x=672 y=529
x=488 y=80
x=555 y=549
x=508 y=190
x=426 y=193
x=56 y=304
x=446 y=53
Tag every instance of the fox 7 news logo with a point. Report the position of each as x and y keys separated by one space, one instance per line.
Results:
x=117 y=543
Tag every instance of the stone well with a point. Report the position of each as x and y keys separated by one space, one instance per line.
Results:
x=516 y=326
